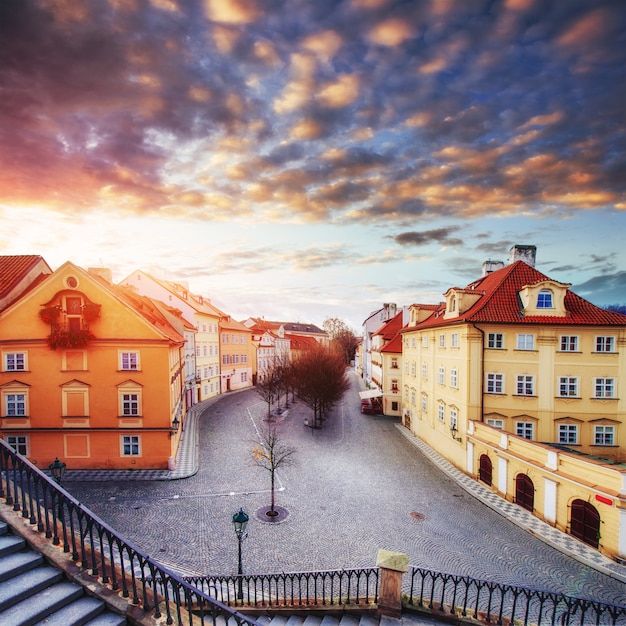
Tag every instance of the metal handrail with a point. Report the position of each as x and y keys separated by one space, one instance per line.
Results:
x=497 y=603
x=356 y=588
x=121 y=566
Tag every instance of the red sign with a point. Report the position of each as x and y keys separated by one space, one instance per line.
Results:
x=604 y=499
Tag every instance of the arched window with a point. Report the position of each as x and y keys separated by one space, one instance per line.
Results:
x=544 y=299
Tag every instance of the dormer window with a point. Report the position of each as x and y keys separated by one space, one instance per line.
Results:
x=544 y=299
x=453 y=304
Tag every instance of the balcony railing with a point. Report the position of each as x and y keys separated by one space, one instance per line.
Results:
x=497 y=603
x=120 y=565
x=356 y=588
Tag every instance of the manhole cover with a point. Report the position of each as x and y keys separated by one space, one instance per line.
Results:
x=415 y=515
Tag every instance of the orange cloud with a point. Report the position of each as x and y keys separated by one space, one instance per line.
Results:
x=232 y=11
x=391 y=32
x=341 y=93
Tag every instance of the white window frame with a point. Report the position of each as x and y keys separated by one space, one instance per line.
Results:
x=525 y=341
x=495 y=423
x=424 y=371
x=545 y=299
x=424 y=402
x=605 y=343
x=568 y=387
x=129 y=361
x=441 y=375
x=131 y=404
x=130 y=445
x=15 y=361
x=495 y=341
x=454 y=340
x=525 y=385
x=568 y=434
x=424 y=341
x=454 y=378
x=442 y=340
x=494 y=383
x=19 y=443
x=569 y=343
x=15 y=404
x=441 y=412
x=525 y=430
x=454 y=419
x=603 y=435
x=604 y=388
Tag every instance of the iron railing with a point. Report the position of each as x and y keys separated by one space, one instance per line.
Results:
x=119 y=564
x=497 y=603
x=355 y=588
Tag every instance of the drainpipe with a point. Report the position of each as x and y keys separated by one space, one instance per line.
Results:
x=482 y=370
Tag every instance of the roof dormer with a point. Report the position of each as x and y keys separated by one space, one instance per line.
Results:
x=459 y=300
x=545 y=298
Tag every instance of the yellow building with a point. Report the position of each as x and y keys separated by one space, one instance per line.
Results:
x=91 y=373
x=515 y=380
x=238 y=355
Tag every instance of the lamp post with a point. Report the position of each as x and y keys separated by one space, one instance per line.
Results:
x=57 y=469
x=240 y=521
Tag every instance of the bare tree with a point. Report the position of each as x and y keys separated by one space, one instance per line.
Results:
x=321 y=380
x=272 y=453
x=268 y=386
x=341 y=337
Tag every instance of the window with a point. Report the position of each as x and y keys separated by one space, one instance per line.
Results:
x=495 y=423
x=495 y=383
x=130 y=445
x=129 y=360
x=569 y=343
x=568 y=433
x=544 y=299
x=412 y=396
x=525 y=385
x=495 y=340
x=424 y=341
x=412 y=368
x=455 y=340
x=394 y=362
x=225 y=337
x=243 y=377
x=453 y=418
x=394 y=385
x=605 y=388
x=15 y=361
x=525 y=429
x=424 y=371
x=441 y=375
x=244 y=358
x=19 y=443
x=225 y=359
x=605 y=344
x=235 y=359
x=454 y=378
x=130 y=404
x=568 y=386
x=197 y=350
x=525 y=342
x=15 y=404
x=441 y=412
x=424 y=402
x=442 y=341
x=205 y=350
x=604 y=435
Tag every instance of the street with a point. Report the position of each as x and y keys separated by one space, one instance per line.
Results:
x=358 y=486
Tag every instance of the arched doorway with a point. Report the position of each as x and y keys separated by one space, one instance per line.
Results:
x=585 y=522
x=525 y=492
x=485 y=470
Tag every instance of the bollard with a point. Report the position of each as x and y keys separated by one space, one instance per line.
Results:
x=392 y=565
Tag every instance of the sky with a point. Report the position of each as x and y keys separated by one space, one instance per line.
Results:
x=304 y=159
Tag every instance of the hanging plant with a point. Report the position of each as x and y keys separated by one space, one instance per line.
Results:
x=69 y=338
x=91 y=311
x=50 y=314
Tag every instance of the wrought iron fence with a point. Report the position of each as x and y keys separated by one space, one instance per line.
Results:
x=357 y=588
x=497 y=603
x=119 y=564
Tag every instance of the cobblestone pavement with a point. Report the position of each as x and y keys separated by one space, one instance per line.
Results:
x=359 y=486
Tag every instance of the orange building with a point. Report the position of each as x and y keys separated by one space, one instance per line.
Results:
x=90 y=373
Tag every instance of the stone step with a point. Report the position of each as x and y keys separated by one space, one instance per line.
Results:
x=33 y=593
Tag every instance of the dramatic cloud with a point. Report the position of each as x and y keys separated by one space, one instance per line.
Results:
x=423 y=238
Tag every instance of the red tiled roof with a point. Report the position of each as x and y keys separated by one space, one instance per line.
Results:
x=390 y=328
x=394 y=346
x=13 y=268
x=500 y=303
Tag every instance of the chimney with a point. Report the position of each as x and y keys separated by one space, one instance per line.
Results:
x=492 y=266
x=523 y=253
x=103 y=272
x=389 y=311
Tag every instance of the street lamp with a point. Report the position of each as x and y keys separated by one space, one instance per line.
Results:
x=57 y=469
x=240 y=521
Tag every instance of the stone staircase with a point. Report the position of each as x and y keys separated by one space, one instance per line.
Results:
x=32 y=592
x=407 y=619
